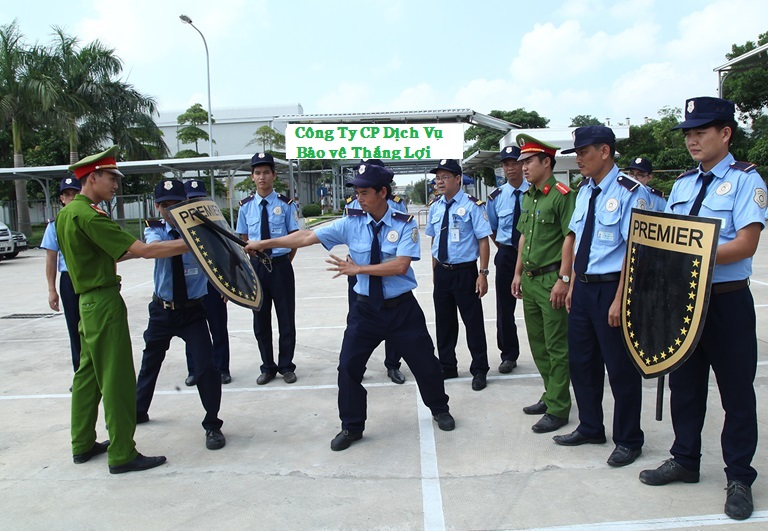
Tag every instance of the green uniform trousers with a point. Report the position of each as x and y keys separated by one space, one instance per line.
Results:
x=106 y=370
x=548 y=337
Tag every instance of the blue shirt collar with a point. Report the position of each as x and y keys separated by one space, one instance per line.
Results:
x=719 y=170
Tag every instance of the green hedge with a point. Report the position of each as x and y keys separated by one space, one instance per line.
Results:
x=310 y=210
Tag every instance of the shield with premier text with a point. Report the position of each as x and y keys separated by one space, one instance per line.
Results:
x=226 y=264
x=667 y=281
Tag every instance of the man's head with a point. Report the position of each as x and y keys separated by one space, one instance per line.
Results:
x=595 y=146
x=709 y=128
x=98 y=175
x=513 y=168
x=371 y=183
x=68 y=189
x=640 y=170
x=168 y=192
x=447 y=178
x=537 y=158
x=263 y=173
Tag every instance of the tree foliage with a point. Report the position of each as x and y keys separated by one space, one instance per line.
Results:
x=267 y=138
x=748 y=88
x=582 y=120
x=192 y=119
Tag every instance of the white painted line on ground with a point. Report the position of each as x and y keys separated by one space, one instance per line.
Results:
x=431 y=496
x=704 y=520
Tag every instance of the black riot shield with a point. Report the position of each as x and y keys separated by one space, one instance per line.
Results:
x=213 y=244
x=667 y=280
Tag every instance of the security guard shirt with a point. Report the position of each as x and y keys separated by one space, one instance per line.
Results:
x=283 y=216
x=197 y=282
x=467 y=223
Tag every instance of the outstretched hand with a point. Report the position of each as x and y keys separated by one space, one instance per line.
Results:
x=342 y=266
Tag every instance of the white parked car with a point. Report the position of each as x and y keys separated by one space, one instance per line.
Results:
x=7 y=246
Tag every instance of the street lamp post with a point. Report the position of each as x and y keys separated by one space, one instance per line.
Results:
x=186 y=20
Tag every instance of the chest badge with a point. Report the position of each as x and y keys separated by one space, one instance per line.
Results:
x=724 y=188
x=392 y=236
x=461 y=211
x=277 y=211
x=612 y=204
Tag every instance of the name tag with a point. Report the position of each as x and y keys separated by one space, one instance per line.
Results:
x=190 y=271
x=605 y=236
x=455 y=235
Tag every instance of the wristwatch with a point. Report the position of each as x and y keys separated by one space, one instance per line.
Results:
x=485 y=272
x=564 y=278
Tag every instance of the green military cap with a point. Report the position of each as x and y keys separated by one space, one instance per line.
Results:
x=529 y=146
x=101 y=161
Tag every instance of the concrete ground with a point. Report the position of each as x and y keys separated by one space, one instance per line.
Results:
x=277 y=470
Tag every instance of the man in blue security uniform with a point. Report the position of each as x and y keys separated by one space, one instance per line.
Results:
x=54 y=260
x=641 y=170
x=215 y=313
x=391 y=358
x=382 y=243
x=600 y=223
x=458 y=225
x=503 y=209
x=733 y=192
x=264 y=215
x=178 y=310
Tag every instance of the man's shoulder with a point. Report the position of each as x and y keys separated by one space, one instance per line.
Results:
x=402 y=216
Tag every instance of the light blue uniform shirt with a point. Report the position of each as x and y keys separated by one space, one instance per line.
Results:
x=468 y=217
x=613 y=209
x=735 y=197
x=501 y=211
x=197 y=282
x=397 y=237
x=283 y=219
x=658 y=203
x=51 y=242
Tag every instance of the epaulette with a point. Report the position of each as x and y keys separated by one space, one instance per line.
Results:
x=743 y=166
x=354 y=211
x=351 y=198
x=654 y=191
x=154 y=223
x=433 y=201
x=584 y=182
x=99 y=210
x=244 y=201
x=397 y=199
x=475 y=200
x=628 y=182
x=285 y=199
x=401 y=216
x=689 y=172
x=563 y=188
x=493 y=195
x=50 y=220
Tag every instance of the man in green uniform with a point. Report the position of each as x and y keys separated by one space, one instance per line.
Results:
x=91 y=244
x=542 y=277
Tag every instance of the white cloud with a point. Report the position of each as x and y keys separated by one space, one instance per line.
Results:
x=345 y=97
x=419 y=97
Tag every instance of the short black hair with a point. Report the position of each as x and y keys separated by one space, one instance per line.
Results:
x=543 y=156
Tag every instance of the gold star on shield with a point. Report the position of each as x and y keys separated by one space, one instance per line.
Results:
x=693 y=284
x=634 y=249
x=696 y=263
x=629 y=290
x=637 y=344
x=221 y=277
x=193 y=233
x=629 y=313
x=205 y=253
x=687 y=320
x=642 y=353
x=663 y=355
x=689 y=308
x=215 y=269
x=226 y=284
x=655 y=359
x=633 y=259
x=671 y=349
x=632 y=335
x=683 y=330
x=630 y=278
x=678 y=342
x=629 y=302
x=691 y=295
x=197 y=240
x=202 y=247
x=647 y=361
x=694 y=274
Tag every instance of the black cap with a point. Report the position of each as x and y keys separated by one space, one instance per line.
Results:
x=373 y=162
x=449 y=165
x=705 y=110
x=170 y=190
x=371 y=176
x=194 y=188
x=641 y=164
x=591 y=134
x=262 y=158
x=510 y=152
x=70 y=182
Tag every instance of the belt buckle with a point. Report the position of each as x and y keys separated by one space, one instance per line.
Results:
x=168 y=305
x=529 y=274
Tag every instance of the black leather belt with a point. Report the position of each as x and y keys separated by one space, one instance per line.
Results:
x=727 y=287
x=282 y=258
x=507 y=247
x=452 y=267
x=540 y=271
x=170 y=305
x=607 y=277
x=389 y=303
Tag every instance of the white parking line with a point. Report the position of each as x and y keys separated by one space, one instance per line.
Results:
x=431 y=496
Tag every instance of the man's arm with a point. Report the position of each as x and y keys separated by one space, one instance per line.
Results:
x=517 y=292
x=391 y=268
x=481 y=285
x=744 y=245
x=50 y=276
x=294 y=240
x=164 y=249
x=560 y=289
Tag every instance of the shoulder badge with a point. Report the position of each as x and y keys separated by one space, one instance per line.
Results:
x=354 y=211
x=154 y=223
x=284 y=199
x=400 y=216
x=493 y=195
x=351 y=198
x=544 y=190
x=743 y=166
x=562 y=188
x=247 y=199
x=97 y=209
x=397 y=199
x=475 y=200
x=655 y=191
x=627 y=182
x=689 y=172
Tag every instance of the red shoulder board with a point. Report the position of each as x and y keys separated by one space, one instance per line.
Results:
x=546 y=189
x=743 y=166
x=493 y=195
x=689 y=172
x=97 y=209
x=284 y=199
x=562 y=188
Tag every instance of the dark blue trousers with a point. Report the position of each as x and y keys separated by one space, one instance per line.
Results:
x=189 y=324
x=728 y=345
x=216 y=315
x=279 y=289
x=403 y=325
x=70 y=301
x=506 y=329
x=391 y=358
x=456 y=289
x=594 y=346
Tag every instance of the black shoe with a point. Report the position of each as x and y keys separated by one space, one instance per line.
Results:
x=478 y=382
x=226 y=378
x=98 y=448
x=191 y=380
x=140 y=462
x=623 y=456
x=576 y=438
x=396 y=376
x=265 y=377
x=668 y=472
x=445 y=421
x=549 y=423
x=539 y=408
x=450 y=373
x=507 y=366
x=290 y=377
x=214 y=439
x=738 y=501
x=344 y=440
x=141 y=418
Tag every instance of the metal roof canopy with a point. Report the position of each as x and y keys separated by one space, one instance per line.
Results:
x=750 y=60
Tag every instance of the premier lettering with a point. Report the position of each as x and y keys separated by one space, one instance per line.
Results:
x=665 y=233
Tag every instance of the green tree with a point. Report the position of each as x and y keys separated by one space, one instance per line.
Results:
x=748 y=87
x=582 y=120
x=192 y=119
x=268 y=138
